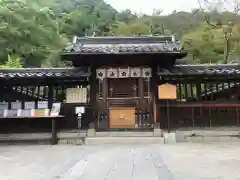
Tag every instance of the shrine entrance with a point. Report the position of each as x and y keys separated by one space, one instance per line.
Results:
x=124 y=98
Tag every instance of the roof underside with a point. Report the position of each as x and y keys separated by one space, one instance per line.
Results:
x=124 y=45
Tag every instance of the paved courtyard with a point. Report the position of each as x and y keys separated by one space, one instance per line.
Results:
x=188 y=161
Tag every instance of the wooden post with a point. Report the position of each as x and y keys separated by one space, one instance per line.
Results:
x=54 y=132
x=50 y=97
x=141 y=91
x=105 y=94
x=168 y=115
x=154 y=90
x=93 y=91
x=50 y=102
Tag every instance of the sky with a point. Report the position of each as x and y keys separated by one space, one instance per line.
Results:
x=168 y=6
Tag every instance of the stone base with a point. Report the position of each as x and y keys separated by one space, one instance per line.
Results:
x=71 y=141
x=169 y=138
x=157 y=133
x=207 y=136
x=123 y=140
x=91 y=133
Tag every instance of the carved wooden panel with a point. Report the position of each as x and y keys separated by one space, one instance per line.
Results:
x=122 y=117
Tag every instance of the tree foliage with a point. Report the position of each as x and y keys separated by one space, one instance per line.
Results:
x=36 y=30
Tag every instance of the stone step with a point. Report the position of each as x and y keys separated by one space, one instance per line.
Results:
x=124 y=134
x=40 y=136
x=125 y=140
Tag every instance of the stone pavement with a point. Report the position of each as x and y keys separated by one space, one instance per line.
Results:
x=195 y=161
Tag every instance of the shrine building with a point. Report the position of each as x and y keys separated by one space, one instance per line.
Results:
x=122 y=83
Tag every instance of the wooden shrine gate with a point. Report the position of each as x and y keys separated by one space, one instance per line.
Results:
x=124 y=98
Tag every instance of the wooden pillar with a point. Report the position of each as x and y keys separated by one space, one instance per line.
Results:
x=54 y=132
x=105 y=95
x=105 y=91
x=50 y=97
x=154 y=91
x=93 y=91
x=198 y=90
x=141 y=90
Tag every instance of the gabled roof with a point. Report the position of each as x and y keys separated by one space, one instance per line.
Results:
x=9 y=73
x=123 y=45
x=202 y=69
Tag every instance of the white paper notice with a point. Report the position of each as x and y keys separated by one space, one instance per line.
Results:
x=16 y=105
x=79 y=110
x=29 y=105
x=3 y=105
x=42 y=105
x=56 y=107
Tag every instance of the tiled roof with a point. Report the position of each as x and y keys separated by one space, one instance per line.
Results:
x=203 y=69
x=7 y=73
x=123 y=45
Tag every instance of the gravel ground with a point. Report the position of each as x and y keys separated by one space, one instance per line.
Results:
x=195 y=161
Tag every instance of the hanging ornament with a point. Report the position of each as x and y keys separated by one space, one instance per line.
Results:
x=101 y=73
x=146 y=72
x=124 y=72
x=112 y=73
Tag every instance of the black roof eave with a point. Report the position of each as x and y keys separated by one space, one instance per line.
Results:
x=202 y=70
x=198 y=74
x=68 y=55
x=120 y=53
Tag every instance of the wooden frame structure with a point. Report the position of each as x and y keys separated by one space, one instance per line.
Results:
x=207 y=96
x=21 y=86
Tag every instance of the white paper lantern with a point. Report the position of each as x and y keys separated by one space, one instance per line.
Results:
x=123 y=72
x=146 y=72
x=101 y=73
x=135 y=72
x=112 y=73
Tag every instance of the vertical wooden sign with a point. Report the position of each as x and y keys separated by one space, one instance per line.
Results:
x=167 y=91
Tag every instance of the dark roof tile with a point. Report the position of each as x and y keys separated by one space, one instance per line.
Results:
x=117 y=45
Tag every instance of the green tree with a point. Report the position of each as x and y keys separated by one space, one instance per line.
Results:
x=12 y=62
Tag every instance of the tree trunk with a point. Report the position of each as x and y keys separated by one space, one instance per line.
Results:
x=226 y=50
